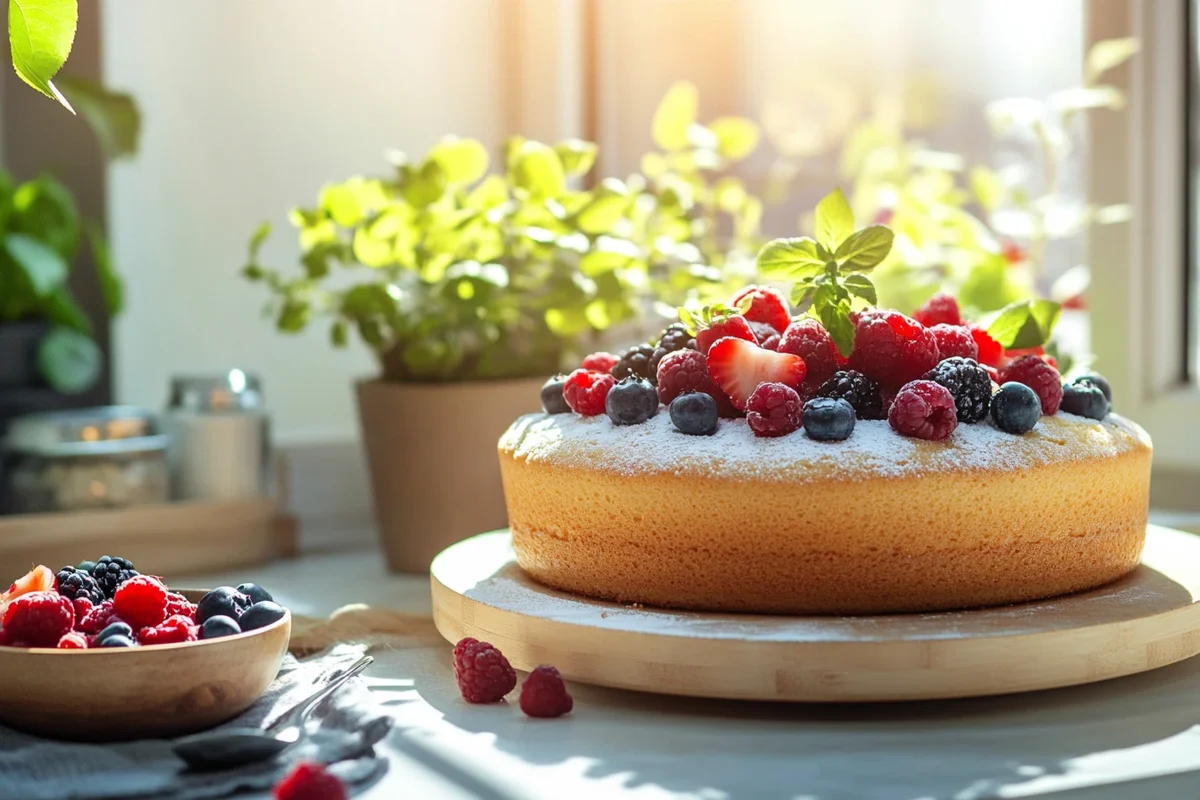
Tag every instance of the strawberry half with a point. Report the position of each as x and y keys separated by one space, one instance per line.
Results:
x=739 y=366
x=734 y=325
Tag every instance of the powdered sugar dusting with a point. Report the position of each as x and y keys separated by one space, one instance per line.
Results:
x=873 y=450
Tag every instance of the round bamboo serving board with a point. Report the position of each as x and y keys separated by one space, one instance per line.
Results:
x=1146 y=620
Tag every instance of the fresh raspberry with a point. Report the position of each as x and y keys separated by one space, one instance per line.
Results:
x=991 y=354
x=309 y=781
x=39 y=618
x=923 y=409
x=686 y=371
x=141 y=601
x=171 y=631
x=82 y=607
x=739 y=367
x=600 y=362
x=892 y=348
x=9 y=640
x=1040 y=352
x=862 y=393
x=954 y=341
x=774 y=410
x=483 y=673
x=98 y=618
x=732 y=325
x=766 y=305
x=585 y=391
x=178 y=606
x=543 y=694
x=941 y=309
x=771 y=343
x=809 y=340
x=1037 y=375
x=72 y=640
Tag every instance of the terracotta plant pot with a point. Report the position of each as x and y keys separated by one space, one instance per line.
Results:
x=431 y=450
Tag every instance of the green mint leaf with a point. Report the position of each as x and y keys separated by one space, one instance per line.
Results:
x=865 y=249
x=825 y=295
x=836 y=319
x=802 y=293
x=1028 y=323
x=796 y=257
x=861 y=286
x=835 y=220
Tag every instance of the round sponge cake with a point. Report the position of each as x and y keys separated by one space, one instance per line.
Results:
x=877 y=523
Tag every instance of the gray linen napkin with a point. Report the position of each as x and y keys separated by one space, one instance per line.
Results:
x=342 y=732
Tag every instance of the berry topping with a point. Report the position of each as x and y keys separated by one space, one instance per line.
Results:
x=543 y=694
x=924 y=410
x=1016 y=408
x=38 y=579
x=260 y=615
x=98 y=618
x=74 y=640
x=809 y=340
x=941 y=309
x=39 y=619
x=991 y=354
x=675 y=338
x=891 y=348
x=694 y=413
x=223 y=601
x=178 y=605
x=858 y=390
x=773 y=410
x=172 y=630
x=1084 y=400
x=553 y=401
x=116 y=641
x=771 y=343
x=954 y=340
x=828 y=419
x=1100 y=383
x=483 y=673
x=766 y=305
x=970 y=385
x=1035 y=373
x=992 y=372
x=114 y=629
x=631 y=402
x=256 y=593
x=216 y=627
x=739 y=366
x=111 y=571
x=309 y=781
x=762 y=332
x=687 y=371
x=72 y=583
x=82 y=606
x=635 y=363
x=141 y=601
x=600 y=362
x=724 y=326
x=586 y=391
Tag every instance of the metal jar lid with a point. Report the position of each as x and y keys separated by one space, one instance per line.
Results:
x=231 y=391
x=105 y=430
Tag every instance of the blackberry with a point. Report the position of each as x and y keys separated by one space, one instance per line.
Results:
x=858 y=390
x=968 y=382
x=635 y=362
x=110 y=572
x=73 y=583
x=762 y=331
x=675 y=337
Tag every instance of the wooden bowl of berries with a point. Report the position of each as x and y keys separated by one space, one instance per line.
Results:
x=99 y=652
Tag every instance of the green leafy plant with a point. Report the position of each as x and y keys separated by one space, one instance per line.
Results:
x=40 y=234
x=40 y=35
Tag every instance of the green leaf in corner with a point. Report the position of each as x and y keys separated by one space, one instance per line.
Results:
x=674 y=115
x=69 y=361
x=1028 y=323
x=836 y=320
x=796 y=257
x=865 y=249
x=40 y=35
x=834 y=219
x=112 y=116
x=861 y=286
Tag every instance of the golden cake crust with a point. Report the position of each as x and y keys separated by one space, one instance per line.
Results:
x=878 y=523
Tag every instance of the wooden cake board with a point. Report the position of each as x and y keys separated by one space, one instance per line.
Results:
x=1146 y=620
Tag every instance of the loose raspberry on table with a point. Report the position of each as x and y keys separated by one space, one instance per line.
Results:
x=808 y=339
x=172 y=630
x=483 y=673
x=543 y=694
x=731 y=325
x=600 y=362
x=73 y=640
x=1035 y=373
x=39 y=619
x=309 y=781
x=991 y=354
x=858 y=390
x=924 y=410
x=891 y=348
x=938 y=310
x=767 y=306
x=954 y=341
x=970 y=385
x=141 y=601
x=99 y=618
x=585 y=391
x=178 y=605
x=635 y=363
x=686 y=371
x=774 y=410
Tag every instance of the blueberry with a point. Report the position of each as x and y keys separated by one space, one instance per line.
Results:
x=695 y=414
x=117 y=641
x=115 y=629
x=256 y=593
x=216 y=627
x=260 y=615
x=1016 y=408
x=1101 y=383
x=631 y=402
x=223 y=601
x=553 y=401
x=1084 y=400
x=828 y=419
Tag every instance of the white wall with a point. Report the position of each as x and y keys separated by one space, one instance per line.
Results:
x=249 y=107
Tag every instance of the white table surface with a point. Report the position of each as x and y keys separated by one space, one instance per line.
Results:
x=1136 y=737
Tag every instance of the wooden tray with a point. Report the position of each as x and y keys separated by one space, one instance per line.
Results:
x=1146 y=620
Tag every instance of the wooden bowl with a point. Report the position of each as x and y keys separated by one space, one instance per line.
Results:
x=120 y=694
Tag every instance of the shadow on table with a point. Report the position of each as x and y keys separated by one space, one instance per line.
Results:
x=961 y=749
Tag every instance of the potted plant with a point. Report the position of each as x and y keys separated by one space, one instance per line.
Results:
x=471 y=288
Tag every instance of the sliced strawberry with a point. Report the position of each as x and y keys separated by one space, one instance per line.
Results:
x=990 y=352
x=766 y=305
x=739 y=366
x=734 y=325
x=39 y=579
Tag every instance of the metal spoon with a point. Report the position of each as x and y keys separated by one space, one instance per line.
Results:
x=234 y=747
